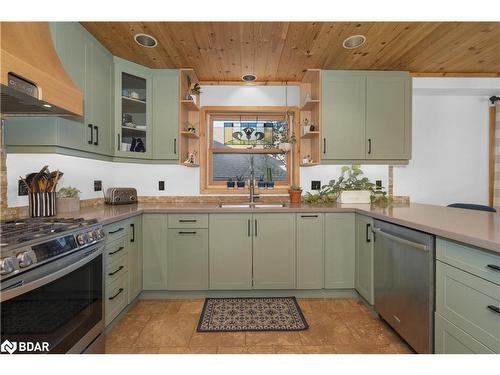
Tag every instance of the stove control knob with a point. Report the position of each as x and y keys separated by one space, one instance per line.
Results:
x=24 y=259
x=6 y=266
x=90 y=236
x=81 y=239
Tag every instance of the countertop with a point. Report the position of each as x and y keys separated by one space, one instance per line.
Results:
x=477 y=228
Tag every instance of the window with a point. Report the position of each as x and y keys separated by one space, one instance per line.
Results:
x=235 y=139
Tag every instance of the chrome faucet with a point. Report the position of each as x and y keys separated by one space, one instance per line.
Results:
x=251 y=186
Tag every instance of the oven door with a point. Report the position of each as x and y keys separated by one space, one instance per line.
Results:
x=58 y=305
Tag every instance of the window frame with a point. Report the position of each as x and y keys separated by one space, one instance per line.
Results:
x=210 y=114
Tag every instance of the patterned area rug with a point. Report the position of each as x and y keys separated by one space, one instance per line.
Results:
x=251 y=314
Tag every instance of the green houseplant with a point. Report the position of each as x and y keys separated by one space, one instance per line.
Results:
x=240 y=181
x=68 y=199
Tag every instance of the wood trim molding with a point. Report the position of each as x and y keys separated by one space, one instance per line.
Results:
x=453 y=74
x=491 y=155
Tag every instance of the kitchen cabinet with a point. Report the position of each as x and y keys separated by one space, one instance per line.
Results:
x=133 y=110
x=364 y=258
x=154 y=251
x=339 y=250
x=366 y=116
x=274 y=251
x=134 y=257
x=230 y=251
x=187 y=259
x=310 y=251
x=166 y=114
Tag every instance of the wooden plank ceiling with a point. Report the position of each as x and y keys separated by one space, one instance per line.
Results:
x=281 y=51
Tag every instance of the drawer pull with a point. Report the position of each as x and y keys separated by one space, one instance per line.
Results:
x=494 y=308
x=187 y=232
x=116 y=251
x=493 y=267
x=116 y=295
x=367 y=235
x=115 y=272
x=116 y=231
x=308 y=216
x=187 y=221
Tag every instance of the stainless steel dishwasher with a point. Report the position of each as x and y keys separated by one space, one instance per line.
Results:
x=404 y=282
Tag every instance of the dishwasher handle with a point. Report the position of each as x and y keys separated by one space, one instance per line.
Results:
x=416 y=245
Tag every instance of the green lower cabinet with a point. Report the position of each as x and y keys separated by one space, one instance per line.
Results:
x=364 y=258
x=134 y=257
x=310 y=251
x=230 y=251
x=449 y=339
x=339 y=250
x=274 y=251
x=187 y=259
x=154 y=251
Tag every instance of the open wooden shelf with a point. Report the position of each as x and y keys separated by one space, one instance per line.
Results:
x=189 y=134
x=310 y=112
x=310 y=105
x=191 y=165
x=308 y=164
x=310 y=135
x=190 y=105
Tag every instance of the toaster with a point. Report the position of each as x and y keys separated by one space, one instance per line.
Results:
x=120 y=196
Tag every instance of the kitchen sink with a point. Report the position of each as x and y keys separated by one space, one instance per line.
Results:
x=251 y=205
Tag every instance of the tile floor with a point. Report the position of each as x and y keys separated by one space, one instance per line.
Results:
x=335 y=326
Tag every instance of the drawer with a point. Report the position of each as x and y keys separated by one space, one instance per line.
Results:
x=178 y=221
x=470 y=259
x=115 y=250
x=116 y=230
x=449 y=339
x=116 y=269
x=115 y=298
x=463 y=299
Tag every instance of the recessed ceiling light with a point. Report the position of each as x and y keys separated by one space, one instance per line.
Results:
x=354 y=41
x=249 y=77
x=145 y=40
x=47 y=105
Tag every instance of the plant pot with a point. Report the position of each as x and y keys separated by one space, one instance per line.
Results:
x=270 y=184
x=230 y=184
x=67 y=204
x=240 y=184
x=285 y=147
x=261 y=184
x=295 y=196
x=355 y=196
x=42 y=204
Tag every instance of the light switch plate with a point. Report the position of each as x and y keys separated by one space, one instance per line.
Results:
x=161 y=185
x=97 y=185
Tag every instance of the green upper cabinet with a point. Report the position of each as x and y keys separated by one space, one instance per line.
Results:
x=165 y=114
x=133 y=110
x=366 y=116
x=364 y=258
x=310 y=251
x=230 y=251
x=274 y=251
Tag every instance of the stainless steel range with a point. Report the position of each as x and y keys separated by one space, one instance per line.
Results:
x=52 y=285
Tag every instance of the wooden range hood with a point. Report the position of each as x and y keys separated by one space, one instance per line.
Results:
x=33 y=80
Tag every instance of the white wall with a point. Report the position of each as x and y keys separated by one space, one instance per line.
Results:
x=248 y=96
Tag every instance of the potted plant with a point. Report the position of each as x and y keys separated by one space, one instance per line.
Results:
x=261 y=184
x=287 y=141
x=68 y=199
x=230 y=183
x=240 y=182
x=295 y=193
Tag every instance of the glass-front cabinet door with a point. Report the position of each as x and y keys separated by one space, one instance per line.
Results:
x=133 y=110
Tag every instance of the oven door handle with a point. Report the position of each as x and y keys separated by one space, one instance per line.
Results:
x=20 y=288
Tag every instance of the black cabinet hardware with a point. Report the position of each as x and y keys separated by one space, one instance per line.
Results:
x=118 y=142
x=369 y=145
x=493 y=267
x=324 y=145
x=115 y=272
x=494 y=308
x=255 y=227
x=96 y=128
x=117 y=251
x=115 y=231
x=187 y=221
x=175 y=145
x=248 y=229
x=133 y=232
x=187 y=232
x=91 y=140
x=116 y=295
x=368 y=226
x=309 y=216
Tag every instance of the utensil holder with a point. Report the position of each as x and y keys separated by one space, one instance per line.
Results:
x=42 y=204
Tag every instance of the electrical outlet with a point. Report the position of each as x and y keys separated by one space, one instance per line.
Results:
x=315 y=185
x=22 y=189
x=161 y=185
x=378 y=184
x=97 y=185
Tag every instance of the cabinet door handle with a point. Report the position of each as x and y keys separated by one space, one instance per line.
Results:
x=494 y=308
x=115 y=272
x=255 y=227
x=191 y=233
x=118 y=142
x=248 y=229
x=311 y=216
x=494 y=267
x=117 y=251
x=116 y=295
x=91 y=140
x=175 y=145
x=324 y=145
x=368 y=226
x=96 y=128
x=369 y=145
x=187 y=221
x=115 y=231
x=133 y=233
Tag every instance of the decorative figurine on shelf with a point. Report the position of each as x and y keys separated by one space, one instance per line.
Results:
x=192 y=90
x=191 y=159
x=307 y=159
x=307 y=97
x=191 y=128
